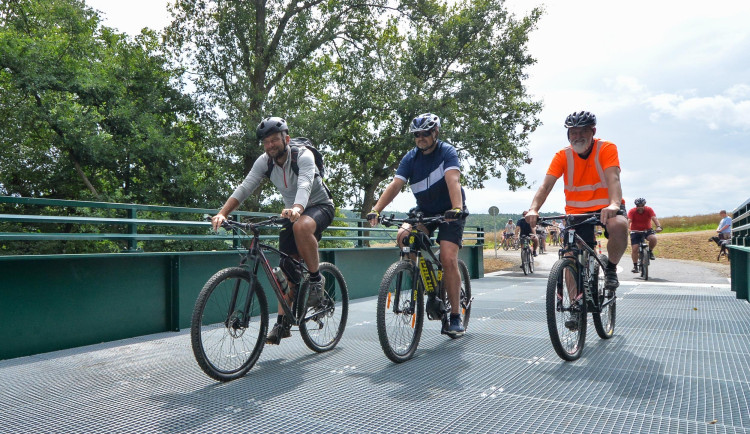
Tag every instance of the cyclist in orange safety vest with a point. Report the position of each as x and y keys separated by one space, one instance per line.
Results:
x=590 y=168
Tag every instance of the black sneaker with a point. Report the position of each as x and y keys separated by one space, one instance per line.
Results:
x=610 y=279
x=277 y=333
x=651 y=256
x=534 y=253
x=635 y=269
x=572 y=322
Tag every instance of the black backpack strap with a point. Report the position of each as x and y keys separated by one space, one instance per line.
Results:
x=270 y=167
x=294 y=155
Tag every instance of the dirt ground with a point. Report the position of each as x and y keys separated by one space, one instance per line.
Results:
x=688 y=246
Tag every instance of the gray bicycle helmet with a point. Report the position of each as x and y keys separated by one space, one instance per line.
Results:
x=580 y=119
x=270 y=125
x=424 y=122
x=640 y=201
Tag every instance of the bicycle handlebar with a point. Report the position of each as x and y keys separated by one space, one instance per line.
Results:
x=231 y=224
x=418 y=218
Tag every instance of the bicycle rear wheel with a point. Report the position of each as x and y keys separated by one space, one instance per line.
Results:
x=525 y=255
x=323 y=325
x=604 y=321
x=400 y=313
x=227 y=338
x=464 y=296
x=566 y=318
x=531 y=262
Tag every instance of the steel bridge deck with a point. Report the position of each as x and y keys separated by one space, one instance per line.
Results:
x=679 y=362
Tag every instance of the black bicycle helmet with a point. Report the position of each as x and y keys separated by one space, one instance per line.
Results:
x=424 y=122
x=270 y=125
x=580 y=119
x=640 y=201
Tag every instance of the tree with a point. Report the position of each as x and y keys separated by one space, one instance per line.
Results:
x=89 y=113
x=465 y=63
x=251 y=59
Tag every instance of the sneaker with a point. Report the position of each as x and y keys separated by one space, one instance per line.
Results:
x=455 y=328
x=534 y=253
x=572 y=323
x=277 y=333
x=610 y=279
x=316 y=292
x=635 y=269
x=651 y=256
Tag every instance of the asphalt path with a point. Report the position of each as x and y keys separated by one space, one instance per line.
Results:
x=661 y=270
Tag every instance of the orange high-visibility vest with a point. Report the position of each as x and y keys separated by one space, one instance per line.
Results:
x=585 y=185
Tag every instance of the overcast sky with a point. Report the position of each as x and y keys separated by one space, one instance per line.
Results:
x=668 y=81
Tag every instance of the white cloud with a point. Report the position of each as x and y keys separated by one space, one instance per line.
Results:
x=715 y=112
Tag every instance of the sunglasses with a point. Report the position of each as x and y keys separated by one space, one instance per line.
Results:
x=418 y=134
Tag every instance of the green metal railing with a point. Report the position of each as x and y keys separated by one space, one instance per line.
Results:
x=739 y=256
x=132 y=222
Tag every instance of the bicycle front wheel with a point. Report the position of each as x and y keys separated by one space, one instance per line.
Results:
x=505 y=244
x=229 y=324
x=400 y=313
x=323 y=325
x=645 y=261
x=604 y=321
x=566 y=317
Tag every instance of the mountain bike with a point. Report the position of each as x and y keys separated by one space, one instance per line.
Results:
x=576 y=287
x=644 y=254
x=230 y=318
x=401 y=299
x=527 y=256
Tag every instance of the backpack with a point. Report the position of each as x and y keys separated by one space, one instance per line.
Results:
x=294 y=148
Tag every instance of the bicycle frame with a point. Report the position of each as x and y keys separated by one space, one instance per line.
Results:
x=254 y=258
x=574 y=246
x=424 y=266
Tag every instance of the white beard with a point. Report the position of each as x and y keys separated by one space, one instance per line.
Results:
x=580 y=146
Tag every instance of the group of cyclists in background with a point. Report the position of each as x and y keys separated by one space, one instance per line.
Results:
x=589 y=166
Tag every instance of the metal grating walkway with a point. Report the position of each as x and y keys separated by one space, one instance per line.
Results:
x=680 y=360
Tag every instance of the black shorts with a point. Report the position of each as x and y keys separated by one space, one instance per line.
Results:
x=322 y=214
x=636 y=238
x=448 y=231
x=587 y=231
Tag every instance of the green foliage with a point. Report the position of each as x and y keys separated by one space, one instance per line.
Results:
x=94 y=114
x=464 y=62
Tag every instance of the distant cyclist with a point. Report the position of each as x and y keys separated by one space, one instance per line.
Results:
x=524 y=229
x=640 y=219
x=510 y=230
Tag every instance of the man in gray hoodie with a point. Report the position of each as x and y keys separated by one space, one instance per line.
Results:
x=307 y=205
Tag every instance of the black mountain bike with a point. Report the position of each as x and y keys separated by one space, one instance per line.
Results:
x=230 y=318
x=527 y=256
x=644 y=254
x=401 y=304
x=576 y=287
